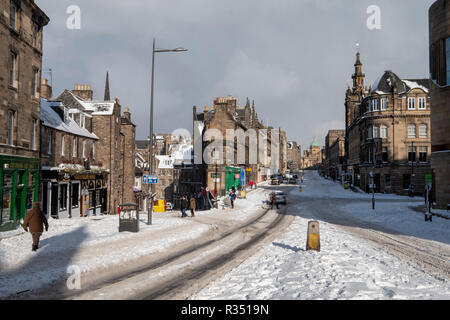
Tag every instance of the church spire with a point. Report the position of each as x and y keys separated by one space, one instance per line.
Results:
x=358 y=76
x=107 y=95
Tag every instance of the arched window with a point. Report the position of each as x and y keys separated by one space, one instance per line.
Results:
x=411 y=130
x=423 y=131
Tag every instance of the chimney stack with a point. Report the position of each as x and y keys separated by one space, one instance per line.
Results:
x=84 y=91
x=127 y=114
x=46 y=89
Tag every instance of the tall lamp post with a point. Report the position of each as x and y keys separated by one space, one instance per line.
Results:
x=150 y=152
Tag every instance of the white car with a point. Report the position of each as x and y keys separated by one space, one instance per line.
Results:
x=281 y=197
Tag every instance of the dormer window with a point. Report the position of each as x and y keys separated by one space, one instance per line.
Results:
x=422 y=103
x=383 y=104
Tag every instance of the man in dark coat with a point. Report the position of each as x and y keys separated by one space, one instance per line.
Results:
x=35 y=220
x=184 y=205
x=192 y=206
x=274 y=200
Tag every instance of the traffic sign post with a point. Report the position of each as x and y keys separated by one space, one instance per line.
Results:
x=150 y=179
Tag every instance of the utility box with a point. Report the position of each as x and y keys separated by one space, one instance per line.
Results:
x=313 y=237
x=129 y=217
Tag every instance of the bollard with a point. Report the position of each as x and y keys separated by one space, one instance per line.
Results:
x=313 y=238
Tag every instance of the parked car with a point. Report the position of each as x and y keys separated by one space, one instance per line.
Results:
x=281 y=197
x=275 y=181
x=292 y=181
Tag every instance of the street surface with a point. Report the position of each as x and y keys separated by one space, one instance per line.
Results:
x=389 y=253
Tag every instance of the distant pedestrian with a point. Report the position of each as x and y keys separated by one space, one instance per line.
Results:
x=274 y=200
x=35 y=220
x=251 y=184
x=232 y=198
x=184 y=205
x=192 y=206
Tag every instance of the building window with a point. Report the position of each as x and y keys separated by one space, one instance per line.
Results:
x=370 y=105
x=74 y=148
x=36 y=30
x=411 y=103
x=375 y=105
x=423 y=154
x=376 y=132
x=422 y=103
x=50 y=142
x=12 y=69
x=93 y=150
x=384 y=132
x=387 y=180
x=411 y=130
x=406 y=181
x=384 y=151
x=75 y=195
x=62 y=197
x=11 y=115
x=82 y=120
x=63 y=144
x=383 y=104
x=423 y=131
x=84 y=149
x=412 y=154
x=447 y=54
x=34 y=82
x=370 y=132
x=13 y=15
x=33 y=134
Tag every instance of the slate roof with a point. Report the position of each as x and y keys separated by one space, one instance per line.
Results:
x=389 y=80
x=52 y=115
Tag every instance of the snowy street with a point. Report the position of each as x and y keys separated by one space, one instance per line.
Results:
x=250 y=252
x=387 y=254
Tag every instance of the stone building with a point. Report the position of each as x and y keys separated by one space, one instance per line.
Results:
x=313 y=157
x=388 y=133
x=72 y=181
x=116 y=146
x=224 y=173
x=439 y=30
x=21 y=35
x=294 y=156
x=334 y=154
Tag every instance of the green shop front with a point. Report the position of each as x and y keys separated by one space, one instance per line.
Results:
x=232 y=177
x=19 y=181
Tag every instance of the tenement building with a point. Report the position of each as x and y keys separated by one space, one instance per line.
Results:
x=334 y=154
x=115 y=149
x=294 y=156
x=21 y=25
x=439 y=20
x=389 y=134
x=234 y=169
x=72 y=181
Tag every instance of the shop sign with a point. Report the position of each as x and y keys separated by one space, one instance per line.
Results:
x=84 y=177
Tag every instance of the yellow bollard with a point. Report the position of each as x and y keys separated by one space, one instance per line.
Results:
x=313 y=240
x=300 y=189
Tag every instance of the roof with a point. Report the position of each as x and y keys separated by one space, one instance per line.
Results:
x=389 y=80
x=51 y=117
x=96 y=108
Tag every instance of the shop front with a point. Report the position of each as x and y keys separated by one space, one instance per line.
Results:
x=67 y=194
x=19 y=181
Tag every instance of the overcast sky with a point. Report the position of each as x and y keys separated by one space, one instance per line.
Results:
x=293 y=57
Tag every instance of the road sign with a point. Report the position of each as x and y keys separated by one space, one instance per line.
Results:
x=150 y=179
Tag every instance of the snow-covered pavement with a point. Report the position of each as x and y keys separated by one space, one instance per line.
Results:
x=94 y=243
x=348 y=266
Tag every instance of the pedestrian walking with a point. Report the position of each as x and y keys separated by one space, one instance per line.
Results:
x=35 y=220
x=251 y=184
x=274 y=200
x=232 y=198
x=192 y=205
x=184 y=205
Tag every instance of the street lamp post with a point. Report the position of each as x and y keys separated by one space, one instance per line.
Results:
x=373 y=188
x=150 y=151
